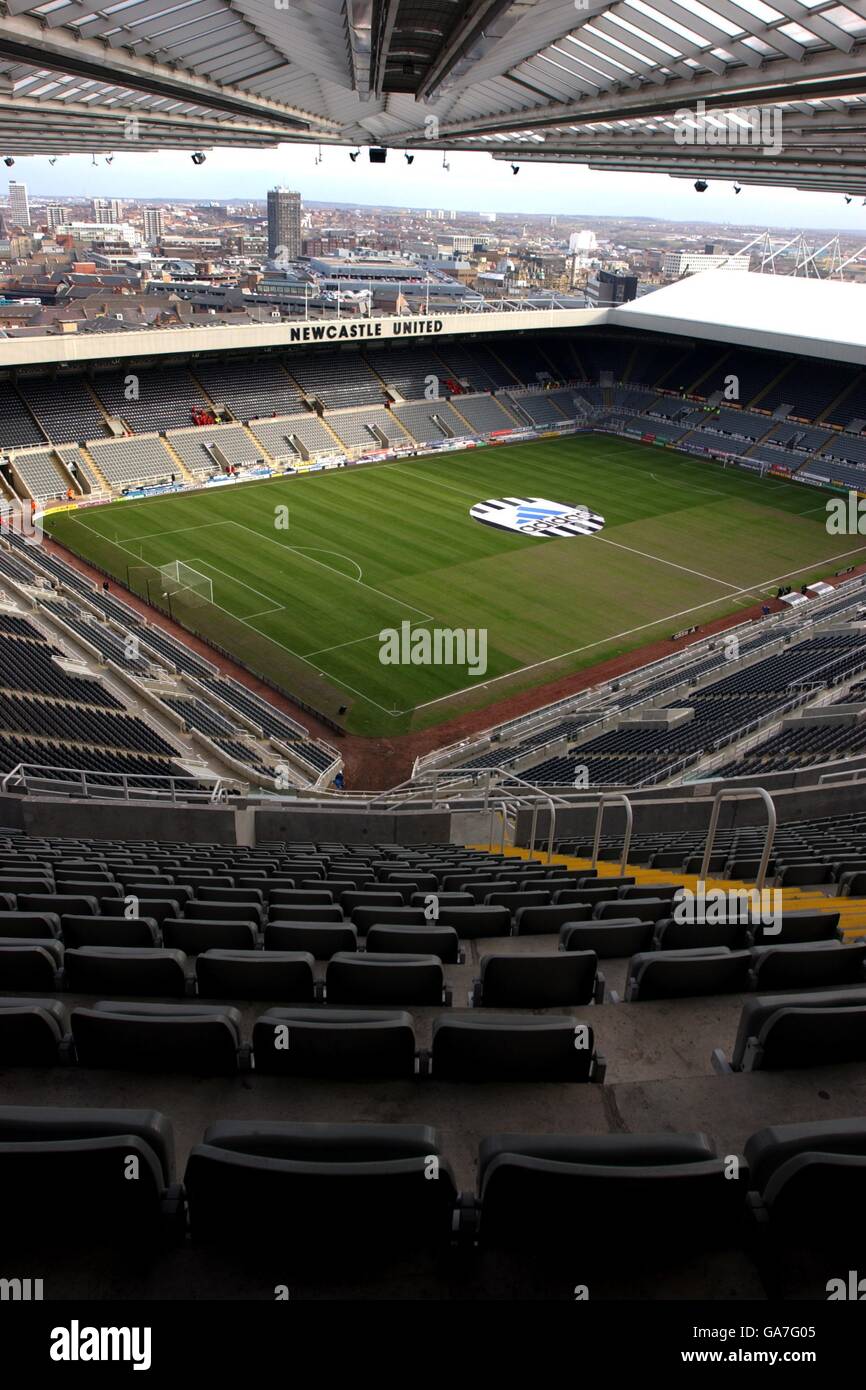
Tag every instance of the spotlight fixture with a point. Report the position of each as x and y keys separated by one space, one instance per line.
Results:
x=737 y=188
x=93 y=160
x=701 y=186
x=353 y=155
x=409 y=158
x=198 y=157
x=8 y=161
x=109 y=159
x=847 y=199
x=515 y=168
x=53 y=160
x=445 y=164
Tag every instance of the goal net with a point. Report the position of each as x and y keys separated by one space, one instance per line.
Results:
x=184 y=582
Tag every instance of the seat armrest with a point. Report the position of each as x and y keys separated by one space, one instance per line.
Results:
x=720 y=1062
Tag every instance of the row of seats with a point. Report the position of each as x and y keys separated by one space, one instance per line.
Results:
x=326 y=1188
x=206 y=1039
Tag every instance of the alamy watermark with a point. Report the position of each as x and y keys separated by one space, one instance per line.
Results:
x=20 y=518
x=435 y=646
x=758 y=126
x=752 y=906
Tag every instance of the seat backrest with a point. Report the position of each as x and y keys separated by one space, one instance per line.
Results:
x=794 y=1041
x=37 y=924
x=609 y=940
x=335 y=1043
x=182 y=934
x=672 y=935
x=399 y=979
x=321 y=1205
x=512 y=1048
x=200 y=1038
x=256 y=975
x=548 y=981
x=540 y=921
x=125 y=970
x=392 y=916
x=809 y=965
x=320 y=939
x=678 y=974
x=31 y=1031
x=471 y=923
x=431 y=939
x=108 y=931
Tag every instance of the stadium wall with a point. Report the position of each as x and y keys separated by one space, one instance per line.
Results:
x=154 y=343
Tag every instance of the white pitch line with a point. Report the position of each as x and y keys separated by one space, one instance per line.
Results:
x=614 y=637
x=659 y=561
x=351 y=643
x=289 y=650
x=198 y=560
x=294 y=550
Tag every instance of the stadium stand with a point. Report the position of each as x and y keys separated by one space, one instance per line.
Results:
x=359 y=428
x=249 y=389
x=40 y=474
x=158 y=398
x=17 y=426
x=276 y=436
x=125 y=461
x=194 y=447
x=428 y=422
x=63 y=407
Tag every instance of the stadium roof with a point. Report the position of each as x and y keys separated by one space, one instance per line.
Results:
x=826 y=318
x=583 y=81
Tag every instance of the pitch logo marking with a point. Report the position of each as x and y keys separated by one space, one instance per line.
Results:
x=537 y=516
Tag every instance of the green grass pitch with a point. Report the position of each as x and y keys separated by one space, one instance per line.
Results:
x=369 y=548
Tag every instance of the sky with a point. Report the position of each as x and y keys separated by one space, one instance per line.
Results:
x=474 y=183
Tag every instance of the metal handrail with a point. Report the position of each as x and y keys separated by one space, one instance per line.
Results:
x=607 y=799
x=735 y=794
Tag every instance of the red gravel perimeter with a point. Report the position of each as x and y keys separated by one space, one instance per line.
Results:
x=375 y=764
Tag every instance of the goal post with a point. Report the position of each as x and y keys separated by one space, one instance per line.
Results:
x=183 y=581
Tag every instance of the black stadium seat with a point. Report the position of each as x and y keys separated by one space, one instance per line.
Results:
x=192 y=936
x=335 y=1043
x=472 y=923
x=809 y=965
x=200 y=1038
x=677 y=974
x=628 y=1191
x=513 y=1047
x=321 y=940
x=431 y=939
x=77 y=1159
x=621 y=937
x=539 y=981
x=125 y=970
x=539 y=921
x=29 y=964
x=256 y=975
x=808 y=1183
x=800 y=1030
x=399 y=979
x=33 y=1032
x=36 y=924
x=109 y=931
x=321 y=1188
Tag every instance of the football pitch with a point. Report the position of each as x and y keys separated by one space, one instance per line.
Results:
x=297 y=577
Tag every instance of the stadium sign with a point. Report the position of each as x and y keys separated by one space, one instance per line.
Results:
x=536 y=516
x=363 y=329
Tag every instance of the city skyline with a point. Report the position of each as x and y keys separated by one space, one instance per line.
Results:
x=472 y=183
